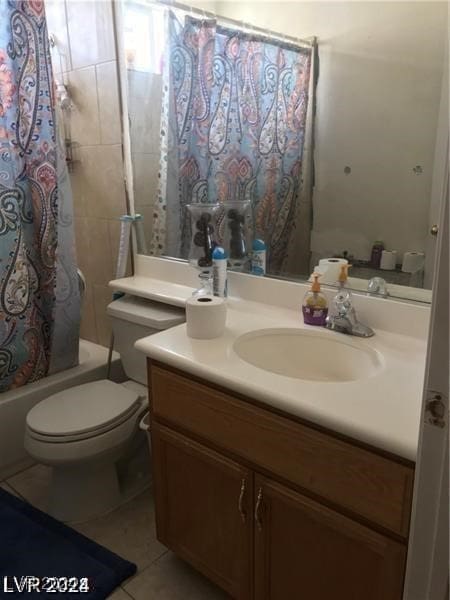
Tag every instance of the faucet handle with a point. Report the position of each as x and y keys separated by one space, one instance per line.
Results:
x=377 y=286
x=344 y=319
x=343 y=302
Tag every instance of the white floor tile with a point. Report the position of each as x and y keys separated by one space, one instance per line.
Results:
x=128 y=531
x=119 y=594
x=33 y=485
x=9 y=489
x=169 y=578
x=15 y=468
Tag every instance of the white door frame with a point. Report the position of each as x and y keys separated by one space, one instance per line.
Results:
x=440 y=172
x=427 y=572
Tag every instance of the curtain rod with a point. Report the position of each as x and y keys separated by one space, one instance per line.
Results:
x=241 y=25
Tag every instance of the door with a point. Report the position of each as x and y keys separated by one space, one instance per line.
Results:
x=305 y=550
x=204 y=509
x=428 y=554
x=439 y=178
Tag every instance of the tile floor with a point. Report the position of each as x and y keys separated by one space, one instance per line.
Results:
x=130 y=532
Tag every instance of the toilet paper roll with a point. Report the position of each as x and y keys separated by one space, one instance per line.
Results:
x=413 y=261
x=205 y=317
x=330 y=269
x=388 y=260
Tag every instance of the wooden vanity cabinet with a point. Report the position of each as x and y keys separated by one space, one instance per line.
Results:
x=204 y=509
x=305 y=550
x=241 y=493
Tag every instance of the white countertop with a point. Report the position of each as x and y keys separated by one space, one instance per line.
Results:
x=383 y=410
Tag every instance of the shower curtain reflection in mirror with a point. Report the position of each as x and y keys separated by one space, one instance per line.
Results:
x=237 y=125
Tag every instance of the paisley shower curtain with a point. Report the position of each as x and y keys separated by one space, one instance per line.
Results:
x=39 y=296
x=233 y=128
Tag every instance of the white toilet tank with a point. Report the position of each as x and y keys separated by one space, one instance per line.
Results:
x=134 y=318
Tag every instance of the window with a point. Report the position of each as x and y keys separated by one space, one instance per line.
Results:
x=143 y=37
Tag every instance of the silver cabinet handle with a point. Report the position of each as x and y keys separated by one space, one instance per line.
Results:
x=258 y=517
x=434 y=230
x=241 y=500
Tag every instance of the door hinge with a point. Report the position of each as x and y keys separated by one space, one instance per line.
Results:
x=436 y=411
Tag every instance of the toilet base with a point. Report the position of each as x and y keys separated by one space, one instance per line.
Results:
x=83 y=491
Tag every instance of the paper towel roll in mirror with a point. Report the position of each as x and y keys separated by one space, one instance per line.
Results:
x=413 y=261
x=330 y=268
x=388 y=260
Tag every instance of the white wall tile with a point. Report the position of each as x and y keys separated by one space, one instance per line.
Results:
x=84 y=117
x=108 y=103
x=88 y=329
x=55 y=11
x=103 y=186
x=91 y=32
x=102 y=297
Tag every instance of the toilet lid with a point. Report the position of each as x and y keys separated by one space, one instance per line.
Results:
x=83 y=408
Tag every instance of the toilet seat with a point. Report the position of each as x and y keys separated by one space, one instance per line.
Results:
x=84 y=422
x=53 y=452
x=94 y=433
x=83 y=412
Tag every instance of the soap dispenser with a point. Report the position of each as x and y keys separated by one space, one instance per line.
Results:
x=315 y=306
x=343 y=277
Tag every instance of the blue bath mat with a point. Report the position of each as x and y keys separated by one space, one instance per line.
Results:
x=39 y=553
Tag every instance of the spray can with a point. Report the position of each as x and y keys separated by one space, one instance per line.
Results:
x=219 y=259
x=258 y=257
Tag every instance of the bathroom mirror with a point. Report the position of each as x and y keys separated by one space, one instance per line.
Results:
x=325 y=149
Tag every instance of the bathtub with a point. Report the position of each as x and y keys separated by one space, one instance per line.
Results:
x=15 y=404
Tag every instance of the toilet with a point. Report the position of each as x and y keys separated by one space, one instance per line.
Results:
x=89 y=434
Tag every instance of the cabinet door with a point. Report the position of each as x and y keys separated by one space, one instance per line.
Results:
x=204 y=513
x=304 y=550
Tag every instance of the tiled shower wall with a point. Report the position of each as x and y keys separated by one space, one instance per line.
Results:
x=85 y=59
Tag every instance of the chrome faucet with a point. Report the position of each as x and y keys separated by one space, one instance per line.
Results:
x=377 y=287
x=344 y=320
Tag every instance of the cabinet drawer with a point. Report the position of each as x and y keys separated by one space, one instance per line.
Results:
x=368 y=484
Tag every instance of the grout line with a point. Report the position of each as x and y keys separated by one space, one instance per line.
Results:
x=125 y=592
x=15 y=491
x=22 y=470
x=102 y=145
x=69 y=48
x=98 y=107
x=140 y=571
x=107 y=219
x=159 y=557
x=94 y=64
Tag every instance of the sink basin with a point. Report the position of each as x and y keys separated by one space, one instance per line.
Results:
x=309 y=355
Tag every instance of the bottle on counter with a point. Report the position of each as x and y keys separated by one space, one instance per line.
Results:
x=258 y=264
x=315 y=305
x=342 y=280
x=219 y=260
x=375 y=256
